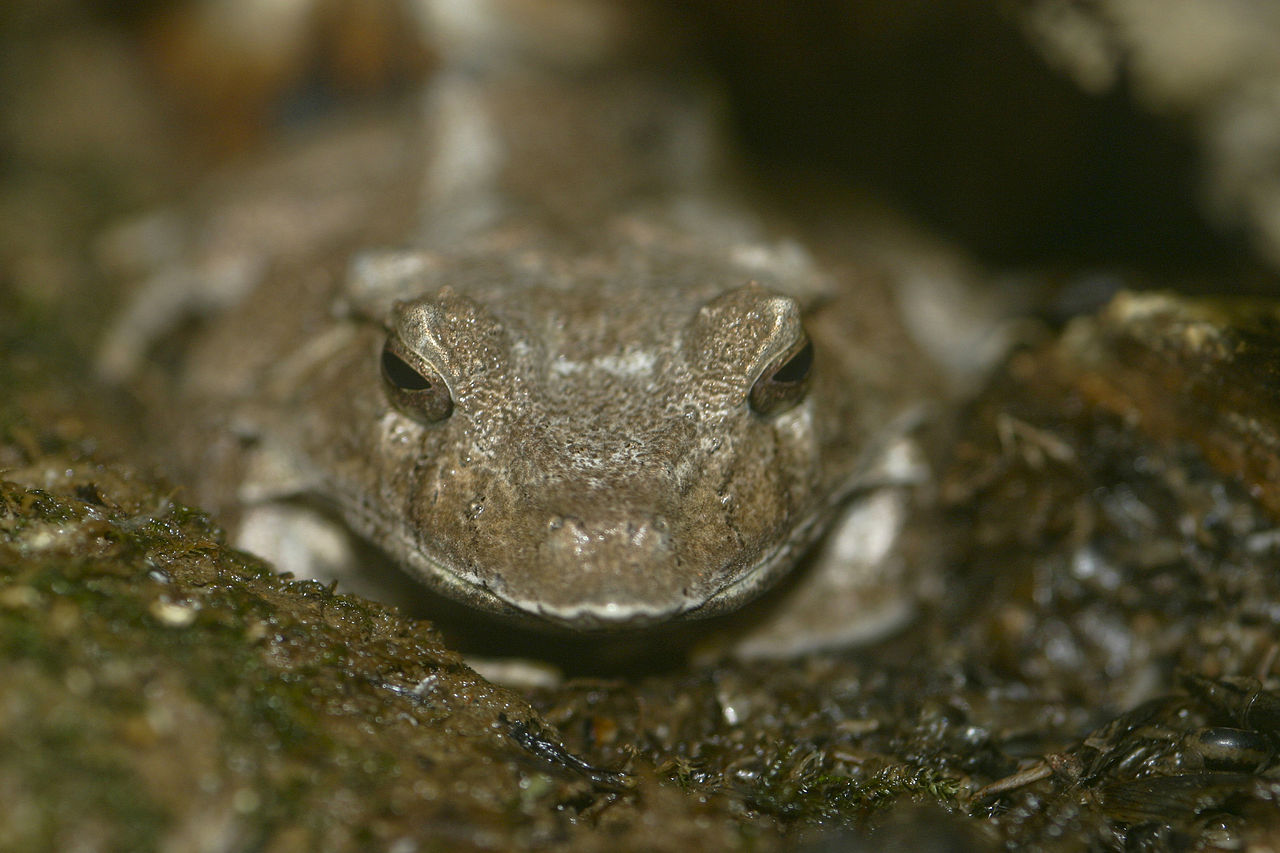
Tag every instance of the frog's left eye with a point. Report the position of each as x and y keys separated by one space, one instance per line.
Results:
x=784 y=382
x=413 y=386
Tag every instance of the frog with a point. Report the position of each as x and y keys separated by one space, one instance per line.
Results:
x=530 y=339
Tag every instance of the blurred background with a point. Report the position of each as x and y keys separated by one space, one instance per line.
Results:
x=1041 y=134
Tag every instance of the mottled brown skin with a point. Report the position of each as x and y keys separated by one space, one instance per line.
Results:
x=602 y=465
x=597 y=461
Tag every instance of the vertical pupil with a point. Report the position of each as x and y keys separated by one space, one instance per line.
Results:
x=401 y=375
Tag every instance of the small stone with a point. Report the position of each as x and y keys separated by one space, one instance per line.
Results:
x=173 y=615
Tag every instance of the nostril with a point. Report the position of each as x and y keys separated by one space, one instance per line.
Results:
x=650 y=536
x=608 y=541
x=566 y=530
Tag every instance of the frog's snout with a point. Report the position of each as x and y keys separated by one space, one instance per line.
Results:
x=604 y=567
x=608 y=541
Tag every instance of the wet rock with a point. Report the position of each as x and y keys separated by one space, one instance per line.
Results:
x=1115 y=494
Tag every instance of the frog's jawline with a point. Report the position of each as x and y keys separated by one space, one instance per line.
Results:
x=745 y=584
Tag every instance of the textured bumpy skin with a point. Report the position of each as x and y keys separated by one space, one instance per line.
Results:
x=564 y=429
x=601 y=463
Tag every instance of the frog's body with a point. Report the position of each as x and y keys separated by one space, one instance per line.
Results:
x=598 y=415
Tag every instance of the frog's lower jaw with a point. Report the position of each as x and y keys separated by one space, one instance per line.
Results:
x=853 y=589
x=602 y=609
x=628 y=607
x=620 y=615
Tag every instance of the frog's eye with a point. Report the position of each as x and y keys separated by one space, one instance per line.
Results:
x=413 y=386
x=784 y=382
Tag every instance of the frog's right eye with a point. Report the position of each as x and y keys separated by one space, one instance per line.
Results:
x=413 y=386
x=783 y=383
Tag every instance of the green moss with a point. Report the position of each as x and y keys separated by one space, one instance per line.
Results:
x=797 y=785
x=71 y=771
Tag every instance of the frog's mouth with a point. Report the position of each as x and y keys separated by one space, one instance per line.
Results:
x=745 y=586
x=615 y=612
